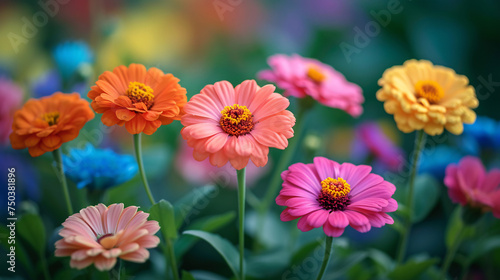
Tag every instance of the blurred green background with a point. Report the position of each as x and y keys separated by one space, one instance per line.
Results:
x=205 y=41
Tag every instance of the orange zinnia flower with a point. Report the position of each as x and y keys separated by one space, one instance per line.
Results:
x=141 y=99
x=42 y=125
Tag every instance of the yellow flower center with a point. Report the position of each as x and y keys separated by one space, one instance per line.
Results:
x=51 y=118
x=429 y=90
x=335 y=187
x=107 y=240
x=236 y=120
x=139 y=92
x=315 y=74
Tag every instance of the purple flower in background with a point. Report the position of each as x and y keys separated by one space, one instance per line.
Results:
x=50 y=82
x=11 y=96
x=371 y=141
x=46 y=84
x=27 y=186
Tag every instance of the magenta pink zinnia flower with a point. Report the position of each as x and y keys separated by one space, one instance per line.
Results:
x=99 y=234
x=302 y=77
x=326 y=193
x=469 y=184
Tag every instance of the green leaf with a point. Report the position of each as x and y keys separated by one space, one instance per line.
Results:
x=163 y=212
x=208 y=224
x=197 y=198
x=224 y=247
x=342 y=264
x=31 y=228
x=206 y=275
x=411 y=269
x=187 y=276
x=454 y=226
x=382 y=259
x=425 y=197
x=484 y=246
x=268 y=229
x=304 y=251
x=267 y=264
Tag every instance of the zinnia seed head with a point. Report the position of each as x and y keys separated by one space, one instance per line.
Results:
x=236 y=120
x=139 y=92
x=51 y=118
x=429 y=90
x=334 y=194
x=315 y=74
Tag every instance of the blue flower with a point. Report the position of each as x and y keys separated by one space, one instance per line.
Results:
x=434 y=161
x=69 y=56
x=482 y=134
x=98 y=169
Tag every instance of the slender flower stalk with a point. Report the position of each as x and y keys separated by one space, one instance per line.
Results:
x=450 y=254
x=62 y=177
x=419 y=144
x=326 y=258
x=169 y=247
x=115 y=272
x=171 y=257
x=138 y=154
x=241 y=208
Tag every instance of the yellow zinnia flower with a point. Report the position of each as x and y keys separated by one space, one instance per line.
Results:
x=423 y=96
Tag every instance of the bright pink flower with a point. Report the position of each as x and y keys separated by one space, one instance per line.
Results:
x=99 y=234
x=202 y=172
x=231 y=124
x=11 y=96
x=326 y=193
x=469 y=184
x=302 y=77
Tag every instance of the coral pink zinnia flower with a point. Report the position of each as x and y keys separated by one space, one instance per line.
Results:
x=326 y=193
x=469 y=184
x=237 y=124
x=100 y=234
x=302 y=77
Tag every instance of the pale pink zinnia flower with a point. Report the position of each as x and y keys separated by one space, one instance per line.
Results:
x=470 y=185
x=238 y=124
x=99 y=234
x=11 y=96
x=326 y=193
x=302 y=77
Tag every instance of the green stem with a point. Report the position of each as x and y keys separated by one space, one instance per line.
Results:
x=326 y=258
x=419 y=144
x=62 y=177
x=138 y=155
x=45 y=267
x=283 y=163
x=171 y=257
x=114 y=273
x=241 y=209
x=452 y=251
